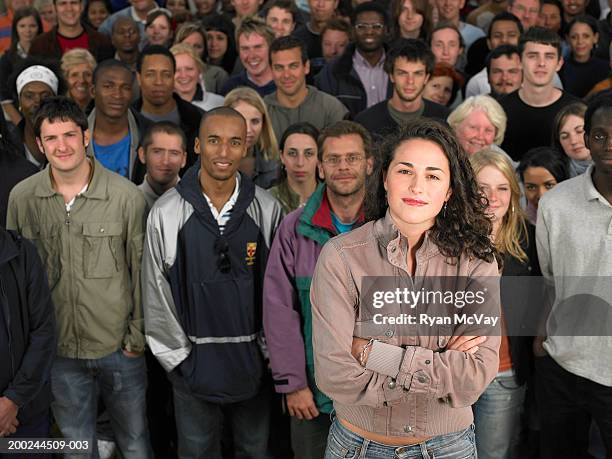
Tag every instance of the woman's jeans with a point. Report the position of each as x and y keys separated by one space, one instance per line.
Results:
x=342 y=443
x=497 y=417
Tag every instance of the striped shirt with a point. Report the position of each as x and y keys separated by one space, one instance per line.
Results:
x=226 y=212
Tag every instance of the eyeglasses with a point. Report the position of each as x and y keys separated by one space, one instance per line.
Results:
x=221 y=248
x=351 y=159
x=362 y=27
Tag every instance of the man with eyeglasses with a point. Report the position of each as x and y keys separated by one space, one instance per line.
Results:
x=294 y=101
x=358 y=78
x=526 y=10
x=206 y=249
x=345 y=160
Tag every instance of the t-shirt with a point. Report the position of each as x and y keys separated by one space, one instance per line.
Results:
x=403 y=118
x=116 y=156
x=172 y=116
x=66 y=44
x=341 y=227
x=529 y=127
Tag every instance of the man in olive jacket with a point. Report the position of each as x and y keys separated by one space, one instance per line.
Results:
x=88 y=226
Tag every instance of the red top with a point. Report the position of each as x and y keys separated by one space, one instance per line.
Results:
x=66 y=44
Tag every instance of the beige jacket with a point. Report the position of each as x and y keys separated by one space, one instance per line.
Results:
x=411 y=385
x=92 y=258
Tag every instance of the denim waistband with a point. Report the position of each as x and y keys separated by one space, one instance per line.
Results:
x=376 y=450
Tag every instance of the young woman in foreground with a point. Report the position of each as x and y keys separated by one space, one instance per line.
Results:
x=396 y=393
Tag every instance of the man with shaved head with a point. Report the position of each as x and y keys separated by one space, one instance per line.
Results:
x=205 y=255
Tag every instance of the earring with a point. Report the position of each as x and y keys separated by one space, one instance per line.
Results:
x=444 y=209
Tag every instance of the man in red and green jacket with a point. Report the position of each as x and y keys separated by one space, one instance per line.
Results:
x=334 y=208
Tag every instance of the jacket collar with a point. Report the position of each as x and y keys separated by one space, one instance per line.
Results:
x=98 y=184
x=395 y=244
x=343 y=65
x=190 y=191
x=316 y=220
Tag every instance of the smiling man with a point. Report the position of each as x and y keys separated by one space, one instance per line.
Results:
x=409 y=66
x=206 y=250
x=254 y=38
x=116 y=129
x=532 y=108
x=71 y=33
x=294 y=101
x=281 y=16
x=88 y=226
x=357 y=78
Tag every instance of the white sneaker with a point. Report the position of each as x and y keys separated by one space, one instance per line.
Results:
x=106 y=449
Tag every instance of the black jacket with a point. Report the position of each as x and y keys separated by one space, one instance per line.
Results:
x=190 y=116
x=340 y=79
x=521 y=350
x=13 y=169
x=29 y=327
x=379 y=122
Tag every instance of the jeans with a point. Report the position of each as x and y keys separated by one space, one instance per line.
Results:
x=199 y=424
x=497 y=417
x=309 y=438
x=567 y=404
x=344 y=444
x=122 y=383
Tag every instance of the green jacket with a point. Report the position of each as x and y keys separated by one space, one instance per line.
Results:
x=92 y=258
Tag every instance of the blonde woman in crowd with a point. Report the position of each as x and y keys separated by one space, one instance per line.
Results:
x=192 y=33
x=78 y=66
x=188 y=80
x=497 y=413
x=261 y=162
x=479 y=122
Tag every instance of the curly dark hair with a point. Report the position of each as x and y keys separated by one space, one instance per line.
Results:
x=464 y=227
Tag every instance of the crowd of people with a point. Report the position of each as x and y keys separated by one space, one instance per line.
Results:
x=194 y=196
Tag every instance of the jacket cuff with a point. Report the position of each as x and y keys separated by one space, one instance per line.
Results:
x=385 y=359
x=134 y=342
x=13 y=397
x=416 y=372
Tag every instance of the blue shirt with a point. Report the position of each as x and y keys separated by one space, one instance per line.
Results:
x=341 y=227
x=116 y=156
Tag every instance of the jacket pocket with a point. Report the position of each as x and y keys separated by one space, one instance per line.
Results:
x=48 y=242
x=102 y=249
